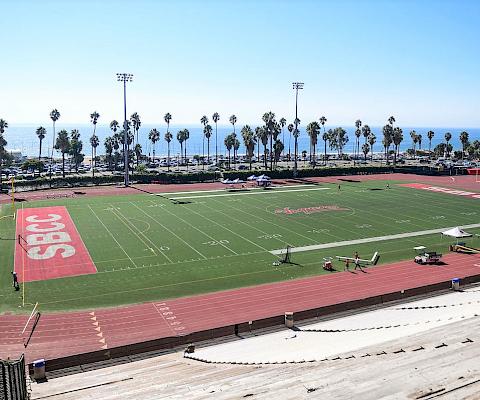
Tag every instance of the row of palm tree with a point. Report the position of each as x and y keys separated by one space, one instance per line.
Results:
x=3 y=144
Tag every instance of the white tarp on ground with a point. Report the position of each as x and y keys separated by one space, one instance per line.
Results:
x=456 y=233
x=372 y=328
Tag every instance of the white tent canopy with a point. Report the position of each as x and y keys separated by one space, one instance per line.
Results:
x=456 y=233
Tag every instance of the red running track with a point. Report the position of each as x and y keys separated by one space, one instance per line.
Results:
x=66 y=334
x=465 y=182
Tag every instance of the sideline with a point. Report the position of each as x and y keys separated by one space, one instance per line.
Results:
x=368 y=240
x=244 y=194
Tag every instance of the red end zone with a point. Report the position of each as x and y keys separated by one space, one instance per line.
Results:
x=50 y=246
x=439 y=189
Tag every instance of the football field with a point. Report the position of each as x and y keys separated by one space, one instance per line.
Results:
x=147 y=247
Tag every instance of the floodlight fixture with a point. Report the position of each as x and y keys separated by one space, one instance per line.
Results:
x=125 y=77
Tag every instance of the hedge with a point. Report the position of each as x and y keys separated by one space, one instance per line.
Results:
x=306 y=173
x=86 y=180
x=336 y=171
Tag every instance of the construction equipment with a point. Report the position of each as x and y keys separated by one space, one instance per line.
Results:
x=463 y=248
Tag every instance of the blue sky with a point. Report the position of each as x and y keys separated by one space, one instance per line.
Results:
x=416 y=60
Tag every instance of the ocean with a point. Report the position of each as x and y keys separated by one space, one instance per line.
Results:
x=23 y=138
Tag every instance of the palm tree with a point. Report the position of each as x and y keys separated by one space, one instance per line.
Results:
x=186 y=136
x=94 y=142
x=236 y=146
x=324 y=137
x=313 y=130
x=63 y=144
x=358 y=133
x=397 y=138
x=258 y=139
x=365 y=149
x=277 y=149
x=168 y=139
x=290 y=129
x=41 y=133
x=181 y=139
x=3 y=143
x=94 y=119
x=413 y=136
x=138 y=152
x=269 y=120
x=366 y=132
x=54 y=115
x=204 y=122
x=233 y=121
x=207 y=132
x=464 y=141
x=448 y=137
x=216 y=118
x=167 y=117
x=249 y=142
x=154 y=137
x=263 y=137
x=430 y=135
x=76 y=147
x=371 y=141
x=387 y=139
x=108 y=144
x=229 y=142
x=283 y=123
x=136 y=123
x=114 y=126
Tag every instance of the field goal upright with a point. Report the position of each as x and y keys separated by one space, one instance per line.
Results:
x=285 y=256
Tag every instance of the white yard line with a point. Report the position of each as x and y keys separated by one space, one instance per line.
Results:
x=113 y=237
x=173 y=233
x=247 y=194
x=199 y=230
x=223 y=190
x=369 y=240
x=229 y=230
x=130 y=225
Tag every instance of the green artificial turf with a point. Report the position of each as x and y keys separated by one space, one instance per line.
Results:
x=146 y=247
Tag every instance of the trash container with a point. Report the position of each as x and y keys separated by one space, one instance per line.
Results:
x=289 y=319
x=39 y=369
x=456 y=283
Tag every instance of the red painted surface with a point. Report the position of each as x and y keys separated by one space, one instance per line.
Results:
x=439 y=189
x=73 y=333
x=52 y=246
x=465 y=182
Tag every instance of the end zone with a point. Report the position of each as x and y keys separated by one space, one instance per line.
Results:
x=49 y=245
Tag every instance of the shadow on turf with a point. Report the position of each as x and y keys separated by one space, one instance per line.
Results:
x=162 y=196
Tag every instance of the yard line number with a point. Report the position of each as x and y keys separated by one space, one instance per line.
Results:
x=216 y=242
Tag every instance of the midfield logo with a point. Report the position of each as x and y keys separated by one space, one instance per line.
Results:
x=309 y=210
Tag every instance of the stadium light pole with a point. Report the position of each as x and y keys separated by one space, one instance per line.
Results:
x=123 y=77
x=296 y=86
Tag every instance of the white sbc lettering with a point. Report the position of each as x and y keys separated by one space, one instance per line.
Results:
x=35 y=252
x=48 y=238
x=34 y=218
x=56 y=226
